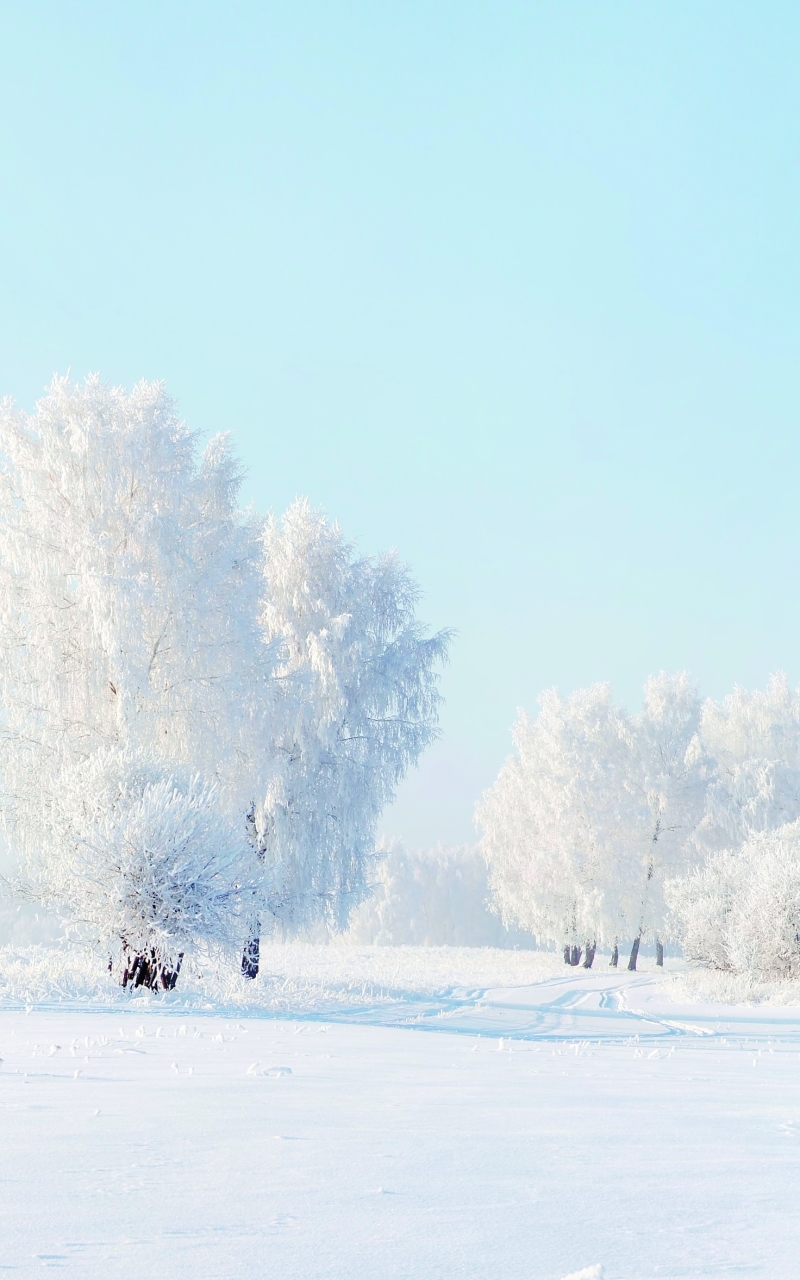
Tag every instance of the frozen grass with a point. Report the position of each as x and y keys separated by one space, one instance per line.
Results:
x=295 y=977
x=307 y=978
x=710 y=986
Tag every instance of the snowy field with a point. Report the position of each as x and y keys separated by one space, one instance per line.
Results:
x=484 y=1115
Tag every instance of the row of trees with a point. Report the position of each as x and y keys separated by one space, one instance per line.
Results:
x=678 y=820
x=202 y=712
x=432 y=898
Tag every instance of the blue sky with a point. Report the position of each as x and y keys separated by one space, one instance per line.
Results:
x=511 y=287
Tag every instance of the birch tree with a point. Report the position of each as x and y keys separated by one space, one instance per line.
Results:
x=129 y=591
x=595 y=809
x=551 y=822
x=359 y=704
x=669 y=777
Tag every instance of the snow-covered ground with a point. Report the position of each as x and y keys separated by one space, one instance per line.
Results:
x=423 y=1129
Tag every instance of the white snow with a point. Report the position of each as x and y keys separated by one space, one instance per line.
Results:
x=531 y=1131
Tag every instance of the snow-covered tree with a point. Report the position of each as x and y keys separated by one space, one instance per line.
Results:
x=146 y=862
x=754 y=739
x=359 y=706
x=129 y=599
x=552 y=821
x=740 y=912
x=255 y=669
x=668 y=776
x=592 y=812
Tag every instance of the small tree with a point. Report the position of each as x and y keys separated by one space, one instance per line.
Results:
x=359 y=704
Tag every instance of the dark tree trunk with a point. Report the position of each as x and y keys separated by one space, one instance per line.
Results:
x=250 y=955
x=151 y=971
x=659 y=952
x=170 y=976
x=634 y=954
x=567 y=958
x=590 y=950
x=576 y=956
x=615 y=955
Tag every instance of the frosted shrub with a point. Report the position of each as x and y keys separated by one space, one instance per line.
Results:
x=741 y=911
x=143 y=861
x=701 y=904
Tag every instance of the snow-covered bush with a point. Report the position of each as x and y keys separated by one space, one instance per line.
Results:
x=143 y=861
x=740 y=912
x=432 y=897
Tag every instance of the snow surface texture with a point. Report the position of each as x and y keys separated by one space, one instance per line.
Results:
x=540 y=1131
x=295 y=978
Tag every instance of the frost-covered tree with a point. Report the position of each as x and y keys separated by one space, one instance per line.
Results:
x=129 y=600
x=740 y=912
x=253 y=669
x=359 y=705
x=552 y=821
x=754 y=740
x=591 y=814
x=148 y=862
x=668 y=777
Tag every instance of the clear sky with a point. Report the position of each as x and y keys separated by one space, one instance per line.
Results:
x=512 y=287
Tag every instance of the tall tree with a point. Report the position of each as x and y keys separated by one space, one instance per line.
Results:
x=129 y=591
x=359 y=704
x=669 y=779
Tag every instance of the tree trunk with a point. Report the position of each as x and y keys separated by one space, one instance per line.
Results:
x=576 y=956
x=250 y=955
x=170 y=976
x=634 y=954
x=615 y=954
x=659 y=952
x=151 y=971
x=591 y=947
x=567 y=959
